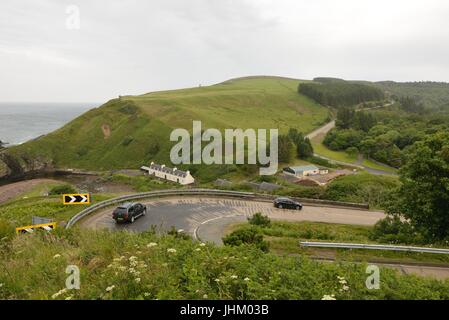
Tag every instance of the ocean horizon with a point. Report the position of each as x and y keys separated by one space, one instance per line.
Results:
x=24 y=121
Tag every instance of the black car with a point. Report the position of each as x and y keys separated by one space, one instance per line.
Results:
x=286 y=203
x=128 y=212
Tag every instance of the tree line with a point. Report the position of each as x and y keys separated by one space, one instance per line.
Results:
x=339 y=93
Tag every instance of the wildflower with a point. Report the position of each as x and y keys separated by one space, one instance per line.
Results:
x=197 y=249
x=202 y=244
x=69 y=298
x=56 y=256
x=205 y=296
x=137 y=280
x=345 y=288
x=328 y=297
x=109 y=289
x=151 y=244
x=132 y=258
x=57 y=294
x=1 y=285
x=217 y=280
x=342 y=282
x=171 y=250
x=234 y=277
x=147 y=294
x=246 y=279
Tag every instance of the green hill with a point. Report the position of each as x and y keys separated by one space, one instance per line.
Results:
x=131 y=130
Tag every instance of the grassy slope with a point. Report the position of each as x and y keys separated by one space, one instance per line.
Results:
x=133 y=267
x=284 y=237
x=141 y=125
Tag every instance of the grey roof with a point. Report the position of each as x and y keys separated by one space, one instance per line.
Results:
x=303 y=168
x=158 y=167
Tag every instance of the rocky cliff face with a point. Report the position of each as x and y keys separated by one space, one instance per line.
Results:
x=15 y=167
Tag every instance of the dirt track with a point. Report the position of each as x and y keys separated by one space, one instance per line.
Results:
x=15 y=189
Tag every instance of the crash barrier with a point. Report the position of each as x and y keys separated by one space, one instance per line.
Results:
x=32 y=228
x=373 y=247
x=202 y=192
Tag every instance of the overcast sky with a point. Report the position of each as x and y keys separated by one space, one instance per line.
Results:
x=136 y=46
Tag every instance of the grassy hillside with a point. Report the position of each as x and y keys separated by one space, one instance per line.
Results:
x=131 y=130
x=124 y=265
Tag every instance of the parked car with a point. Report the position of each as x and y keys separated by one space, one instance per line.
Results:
x=129 y=212
x=287 y=203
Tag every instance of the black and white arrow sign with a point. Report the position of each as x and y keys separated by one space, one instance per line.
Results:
x=76 y=199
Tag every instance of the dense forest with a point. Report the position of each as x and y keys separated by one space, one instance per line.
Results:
x=432 y=95
x=383 y=134
x=339 y=93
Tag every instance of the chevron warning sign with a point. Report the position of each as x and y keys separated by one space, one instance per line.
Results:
x=76 y=198
x=30 y=229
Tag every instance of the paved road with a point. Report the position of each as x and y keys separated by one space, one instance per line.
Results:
x=322 y=131
x=208 y=217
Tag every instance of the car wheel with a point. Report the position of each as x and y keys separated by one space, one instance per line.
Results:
x=280 y=206
x=298 y=208
x=144 y=212
x=132 y=219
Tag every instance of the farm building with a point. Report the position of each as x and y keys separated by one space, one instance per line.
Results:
x=304 y=171
x=166 y=173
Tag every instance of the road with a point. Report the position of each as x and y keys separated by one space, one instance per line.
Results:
x=206 y=218
x=322 y=131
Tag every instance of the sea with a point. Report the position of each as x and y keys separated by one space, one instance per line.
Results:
x=21 y=122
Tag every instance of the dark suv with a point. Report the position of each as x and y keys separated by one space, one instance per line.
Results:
x=286 y=203
x=128 y=212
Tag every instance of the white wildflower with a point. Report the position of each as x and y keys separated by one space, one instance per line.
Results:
x=110 y=288
x=202 y=244
x=171 y=250
x=246 y=279
x=56 y=256
x=205 y=296
x=151 y=244
x=197 y=249
x=137 y=280
x=69 y=298
x=147 y=294
x=328 y=297
x=217 y=280
x=234 y=276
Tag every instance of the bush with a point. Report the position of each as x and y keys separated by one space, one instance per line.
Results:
x=259 y=220
x=62 y=189
x=394 y=230
x=251 y=236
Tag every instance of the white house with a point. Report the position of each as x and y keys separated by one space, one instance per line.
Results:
x=304 y=171
x=166 y=173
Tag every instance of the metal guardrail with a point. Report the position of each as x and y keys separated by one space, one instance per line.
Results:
x=187 y=192
x=373 y=247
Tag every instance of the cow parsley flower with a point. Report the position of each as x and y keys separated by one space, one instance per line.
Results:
x=328 y=297
x=110 y=288
x=171 y=250
x=151 y=244
x=56 y=256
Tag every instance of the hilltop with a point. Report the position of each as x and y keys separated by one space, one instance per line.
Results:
x=130 y=130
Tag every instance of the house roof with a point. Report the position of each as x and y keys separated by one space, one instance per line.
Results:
x=303 y=168
x=164 y=169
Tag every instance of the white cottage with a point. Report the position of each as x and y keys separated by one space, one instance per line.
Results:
x=166 y=173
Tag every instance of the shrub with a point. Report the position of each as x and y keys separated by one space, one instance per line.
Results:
x=259 y=220
x=394 y=230
x=62 y=189
x=251 y=236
